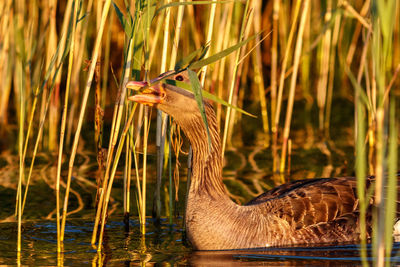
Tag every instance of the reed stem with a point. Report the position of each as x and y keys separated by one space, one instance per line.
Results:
x=63 y=123
x=234 y=79
x=82 y=112
x=289 y=109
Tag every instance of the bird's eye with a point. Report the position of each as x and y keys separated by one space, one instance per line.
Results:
x=179 y=78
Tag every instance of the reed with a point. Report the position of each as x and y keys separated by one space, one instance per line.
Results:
x=233 y=80
x=275 y=125
x=289 y=111
x=63 y=123
x=82 y=112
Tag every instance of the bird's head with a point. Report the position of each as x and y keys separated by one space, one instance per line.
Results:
x=166 y=96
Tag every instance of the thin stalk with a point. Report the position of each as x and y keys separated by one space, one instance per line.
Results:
x=51 y=47
x=391 y=204
x=335 y=36
x=112 y=176
x=258 y=73
x=161 y=118
x=361 y=22
x=239 y=75
x=6 y=31
x=63 y=124
x=117 y=117
x=146 y=127
x=170 y=201
x=20 y=149
x=127 y=179
x=289 y=109
x=81 y=33
x=83 y=109
x=234 y=80
x=274 y=57
x=361 y=173
x=210 y=28
x=324 y=67
x=221 y=74
x=275 y=124
x=178 y=28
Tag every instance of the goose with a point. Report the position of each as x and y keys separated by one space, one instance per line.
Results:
x=303 y=212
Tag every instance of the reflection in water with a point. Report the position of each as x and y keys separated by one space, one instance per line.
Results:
x=161 y=244
x=339 y=255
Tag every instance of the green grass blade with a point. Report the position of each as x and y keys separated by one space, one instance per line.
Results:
x=208 y=95
x=222 y=54
x=124 y=22
x=194 y=81
x=186 y=61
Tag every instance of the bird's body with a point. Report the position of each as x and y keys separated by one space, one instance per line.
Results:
x=301 y=212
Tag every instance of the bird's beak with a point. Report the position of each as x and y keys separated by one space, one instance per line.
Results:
x=147 y=94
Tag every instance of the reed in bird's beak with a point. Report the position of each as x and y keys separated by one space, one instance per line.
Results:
x=149 y=94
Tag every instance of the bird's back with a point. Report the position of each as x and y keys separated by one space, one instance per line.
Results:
x=324 y=210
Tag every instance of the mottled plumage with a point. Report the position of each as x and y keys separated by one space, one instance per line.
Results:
x=301 y=212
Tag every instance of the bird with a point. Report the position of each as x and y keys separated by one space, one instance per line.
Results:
x=302 y=212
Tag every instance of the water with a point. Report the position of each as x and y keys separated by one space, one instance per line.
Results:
x=162 y=244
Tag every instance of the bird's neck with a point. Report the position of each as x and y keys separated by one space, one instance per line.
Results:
x=207 y=158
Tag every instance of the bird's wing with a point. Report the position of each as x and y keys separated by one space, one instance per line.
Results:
x=309 y=202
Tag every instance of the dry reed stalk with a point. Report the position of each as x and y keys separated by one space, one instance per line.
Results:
x=117 y=117
x=6 y=16
x=161 y=120
x=335 y=36
x=178 y=28
x=127 y=182
x=54 y=116
x=275 y=124
x=19 y=89
x=283 y=21
x=146 y=128
x=208 y=38
x=106 y=62
x=165 y=40
x=324 y=67
x=154 y=47
x=83 y=109
x=239 y=74
x=258 y=73
x=112 y=175
x=45 y=109
x=81 y=33
x=357 y=31
x=63 y=122
x=219 y=40
x=221 y=74
x=289 y=109
x=20 y=149
x=234 y=80
x=52 y=127
x=274 y=59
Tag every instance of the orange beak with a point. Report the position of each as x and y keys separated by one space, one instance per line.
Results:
x=148 y=95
